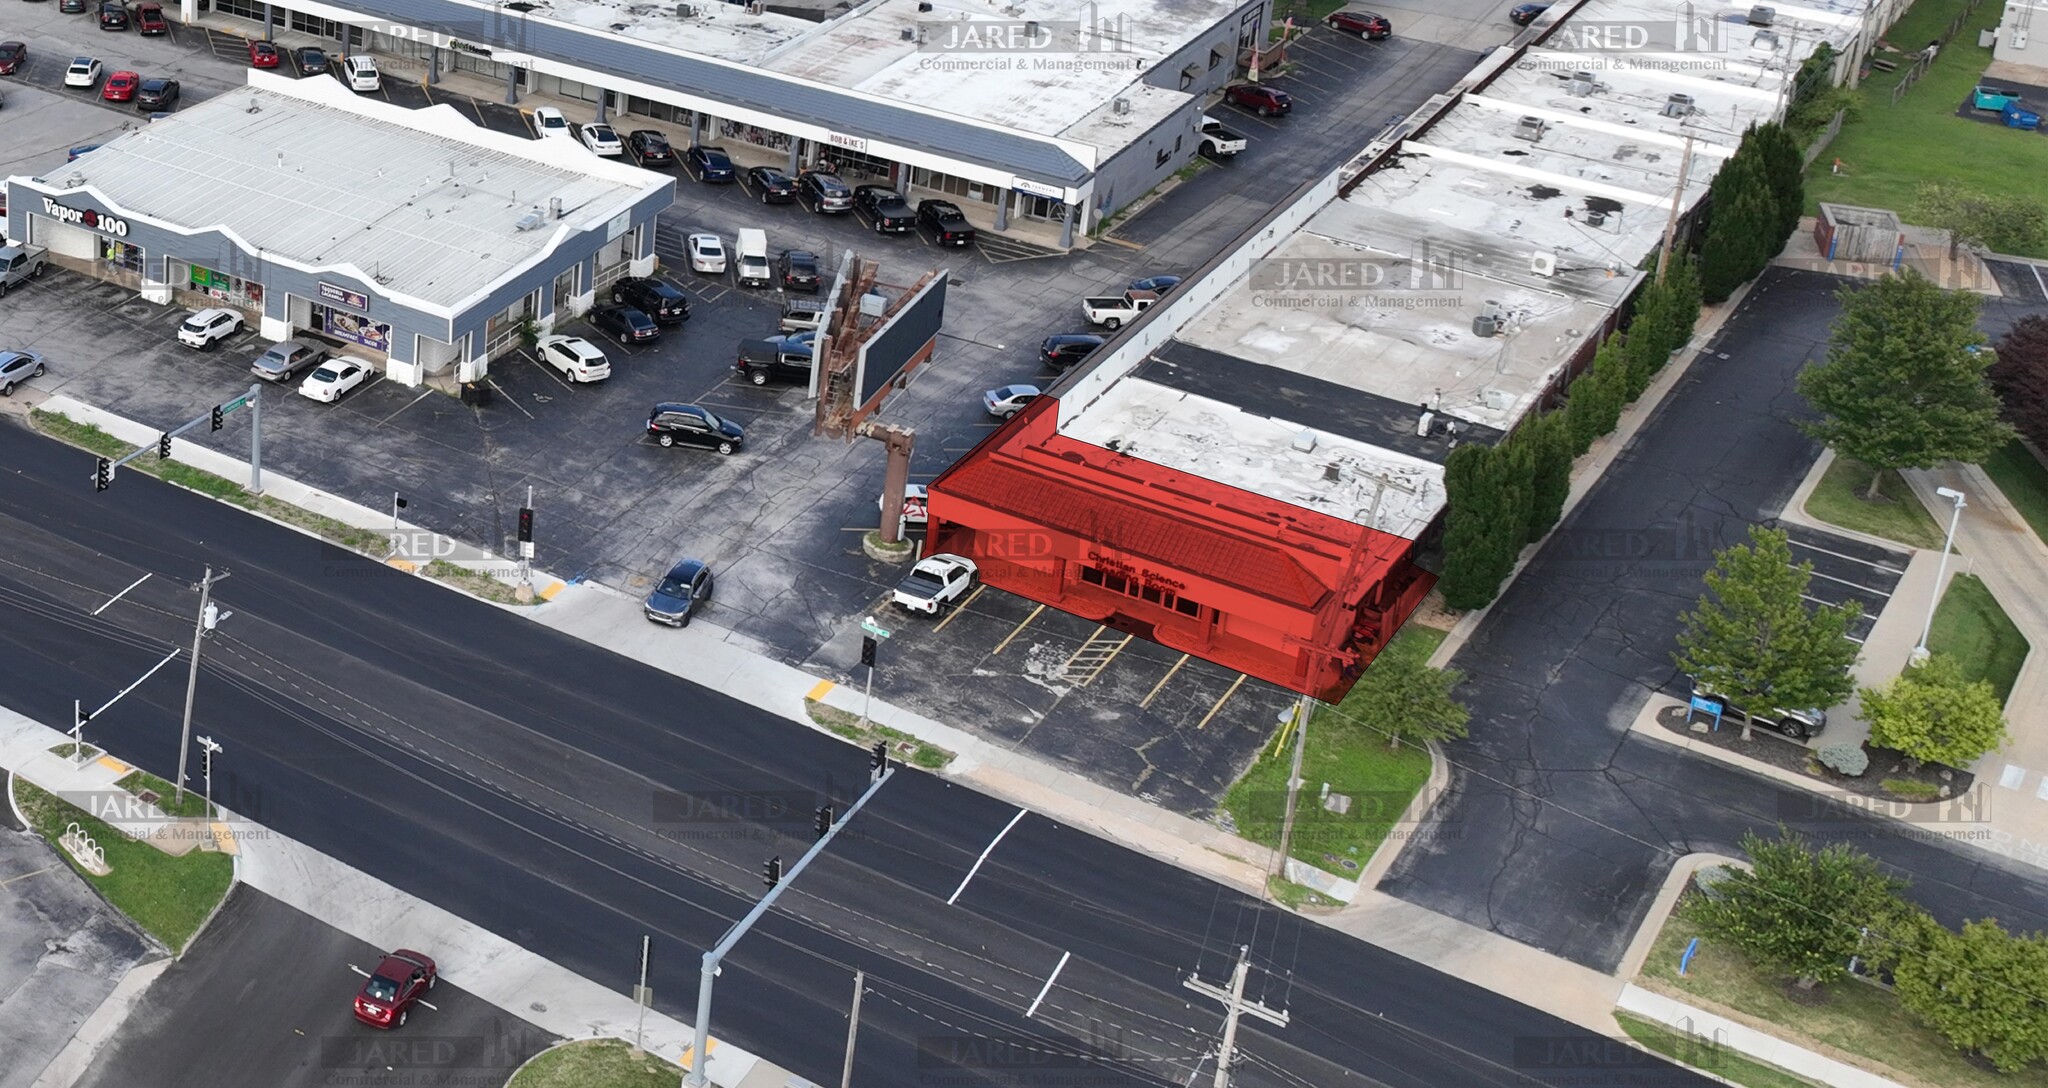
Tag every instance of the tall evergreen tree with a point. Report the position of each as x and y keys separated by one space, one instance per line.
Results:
x=1901 y=387
x=1784 y=168
x=1740 y=220
x=1550 y=476
x=1472 y=506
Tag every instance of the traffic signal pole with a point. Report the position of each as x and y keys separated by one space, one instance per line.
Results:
x=882 y=771
x=103 y=472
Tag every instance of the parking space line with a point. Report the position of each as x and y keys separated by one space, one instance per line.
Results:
x=547 y=370
x=1858 y=585
x=424 y=394
x=958 y=608
x=1018 y=630
x=514 y=401
x=1234 y=685
x=984 y=856
x=1146 y=703
x=1859 y=561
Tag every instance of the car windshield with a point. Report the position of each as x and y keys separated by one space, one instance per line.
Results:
x=325 y=375
x=380 y=988
x=716 y=423
x=553 y=122
x=193 y=324
x=673 y=587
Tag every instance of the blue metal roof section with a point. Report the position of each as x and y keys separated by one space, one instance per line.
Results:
x=1033 y=158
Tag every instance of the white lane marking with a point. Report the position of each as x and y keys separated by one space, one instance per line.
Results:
x=984 y=856
x=118 y=596
x=1047 y=988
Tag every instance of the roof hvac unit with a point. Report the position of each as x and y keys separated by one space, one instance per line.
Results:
x=756 y=7
x=1678 y=105
x=1499 y=400
x=1530 y=129
x=1581 y=84
x=1596 y=218
x=686 y=11
x=1766 y=41
x=1762 y=16
x=530 y=221
x=1543 y=264
x=1482 y=325
x=1121 y=105
x=909 y=35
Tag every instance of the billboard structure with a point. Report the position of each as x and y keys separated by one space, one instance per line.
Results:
x=882 y=334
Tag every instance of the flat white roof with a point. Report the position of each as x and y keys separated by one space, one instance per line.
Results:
x=423 y=203
x=713 y=29
x=1637 y=98
x=1703 y=38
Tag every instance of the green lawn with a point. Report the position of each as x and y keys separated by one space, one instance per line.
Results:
x=1714 y=1059
x=1380 y=781
x=1838 y=500
x=168 y=896
x=596 y=1063
x=2023 y=480
x=137 y=782
x=1888 y=151
x=1970 y=627
x=1853 y=1017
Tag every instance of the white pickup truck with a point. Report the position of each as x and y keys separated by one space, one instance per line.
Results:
x=1111 y=311
x=19 y=263
x=1219 y=142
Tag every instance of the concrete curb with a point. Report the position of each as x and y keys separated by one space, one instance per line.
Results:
x=1762 y=1046
x=1419 y=806
x=1659 y=915
x=1795 y=511
x=99 y=1028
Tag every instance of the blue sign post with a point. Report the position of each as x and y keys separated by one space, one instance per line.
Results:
x=1692 y=947
x=1703 y=705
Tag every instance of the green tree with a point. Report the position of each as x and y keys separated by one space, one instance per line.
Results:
x=1741 y=216
x=1473 y=510
x=2004 y=221
x=1983 y=990
x=1649 y=338
x=1550 y=470
x=1401 y=698
x=1936 y=714
x=2020 y=377
x=1593 y=405
x=1901 y=387
x=1755 y=641
x=1797 y=911
x=1683 y=277
x=1784 y=169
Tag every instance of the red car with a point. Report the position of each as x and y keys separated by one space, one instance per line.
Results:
x=263 y=55
x=400 y=979
x=1362 y=23
x=1260 y=99
x=12 y=56
x=121 y=86
x=149 y=21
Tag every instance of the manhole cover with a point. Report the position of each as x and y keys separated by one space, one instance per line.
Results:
x=147 y=797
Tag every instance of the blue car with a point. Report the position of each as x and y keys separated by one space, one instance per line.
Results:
x=710 y=165
x=81 y=149
x=1160 y=284
x=683 y=592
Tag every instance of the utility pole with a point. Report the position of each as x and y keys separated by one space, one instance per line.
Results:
x=1671 y=222
x=1234 y=1006
x=525 y=588
x=641 y=996
x=860 y=978
x=208 y=749
x=1301 y=711
x=78 y=731
x=208 y=617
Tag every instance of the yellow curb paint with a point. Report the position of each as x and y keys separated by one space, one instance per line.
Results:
x=223 y=839
x=818 y=693
x=553 y=588
x=114 y=765
x=405 y=565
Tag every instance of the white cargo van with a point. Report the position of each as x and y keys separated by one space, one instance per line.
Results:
x=751 y=259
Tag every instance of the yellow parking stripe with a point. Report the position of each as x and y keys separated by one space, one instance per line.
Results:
x=553 y=588
x=822 y=689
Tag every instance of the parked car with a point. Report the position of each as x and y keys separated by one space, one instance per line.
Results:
x=1362 y=23
x=709 y=165
x=84 y=72
x=548 y=123
x=578 y=359
x=12 y=56
x=1258 y=98
x=1115 y=311
x=311 y=61
x=946 y=223
x=626 y=324
x=208 y=327
x=157 y=94
x=822 y=192
x=113 y=16
x=798 y=270
x=1066 y=349
x=1219 y=141
x=601 y=139
x=1797 y=724
x=150 y=22
x=397 y=984
x=802 y=315
x=361 y=74
x=333 y=378
x=649 y=148
x=707 y=254
x=263 y=55
x=120 y=87
x=1156 y=284
x=682 y=593
x=935 y=582
x=72 y=7
x=884 y=209
x=17 y=367
x=1009 y=400
x=656 y=299
x=287 y=360
x=82 y=149
x=1524 y=14
x=763 y=361
x=693 y=425
x=769 y=185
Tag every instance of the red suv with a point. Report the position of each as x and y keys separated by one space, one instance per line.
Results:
x=1362 y=23
x=1263 y=100
x=399 y=980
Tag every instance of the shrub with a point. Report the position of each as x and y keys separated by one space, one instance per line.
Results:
x=1849 y=759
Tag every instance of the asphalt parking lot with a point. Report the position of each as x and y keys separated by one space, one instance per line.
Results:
x=262 y=998
x=781 y=521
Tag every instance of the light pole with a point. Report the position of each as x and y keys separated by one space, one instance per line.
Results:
x=208 y=617
x=1941 y=573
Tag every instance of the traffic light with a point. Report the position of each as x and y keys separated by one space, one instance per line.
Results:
x=824 y=820
x=163 y=446
x=103 y=475
x=219 y=417
x=771 y=873
x=878 y=756
x=526 y=525
x=867 y=651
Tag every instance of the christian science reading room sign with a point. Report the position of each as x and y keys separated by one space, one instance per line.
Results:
x=86 y=217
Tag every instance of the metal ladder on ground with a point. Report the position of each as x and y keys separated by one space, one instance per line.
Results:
x=1093 y=656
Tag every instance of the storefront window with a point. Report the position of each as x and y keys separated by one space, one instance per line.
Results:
x=952 y=186
x=565 y=289
x=753 y=134
x=224 y=288
x=1038 y=207
x=123 y=256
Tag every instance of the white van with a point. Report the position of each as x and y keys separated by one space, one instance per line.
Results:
x=361 y=73
x=751 y=267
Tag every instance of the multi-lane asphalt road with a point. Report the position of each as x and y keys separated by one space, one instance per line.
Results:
x=572 y=800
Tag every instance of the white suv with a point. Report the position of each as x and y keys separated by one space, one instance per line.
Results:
x=361 y=74
x=209 y=327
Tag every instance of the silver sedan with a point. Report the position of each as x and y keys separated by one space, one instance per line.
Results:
x=17 y=367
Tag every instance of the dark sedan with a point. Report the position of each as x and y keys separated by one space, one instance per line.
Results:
x=157 y=94
x=799 y=270
x=710 y=165
x=693 y=425
x=683 y=592
x=1062 y=351
x=311 y=61
x=769 y=185
x=1524 y=14
x=649 y=148
x=626 y=324
x=1158 y=284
